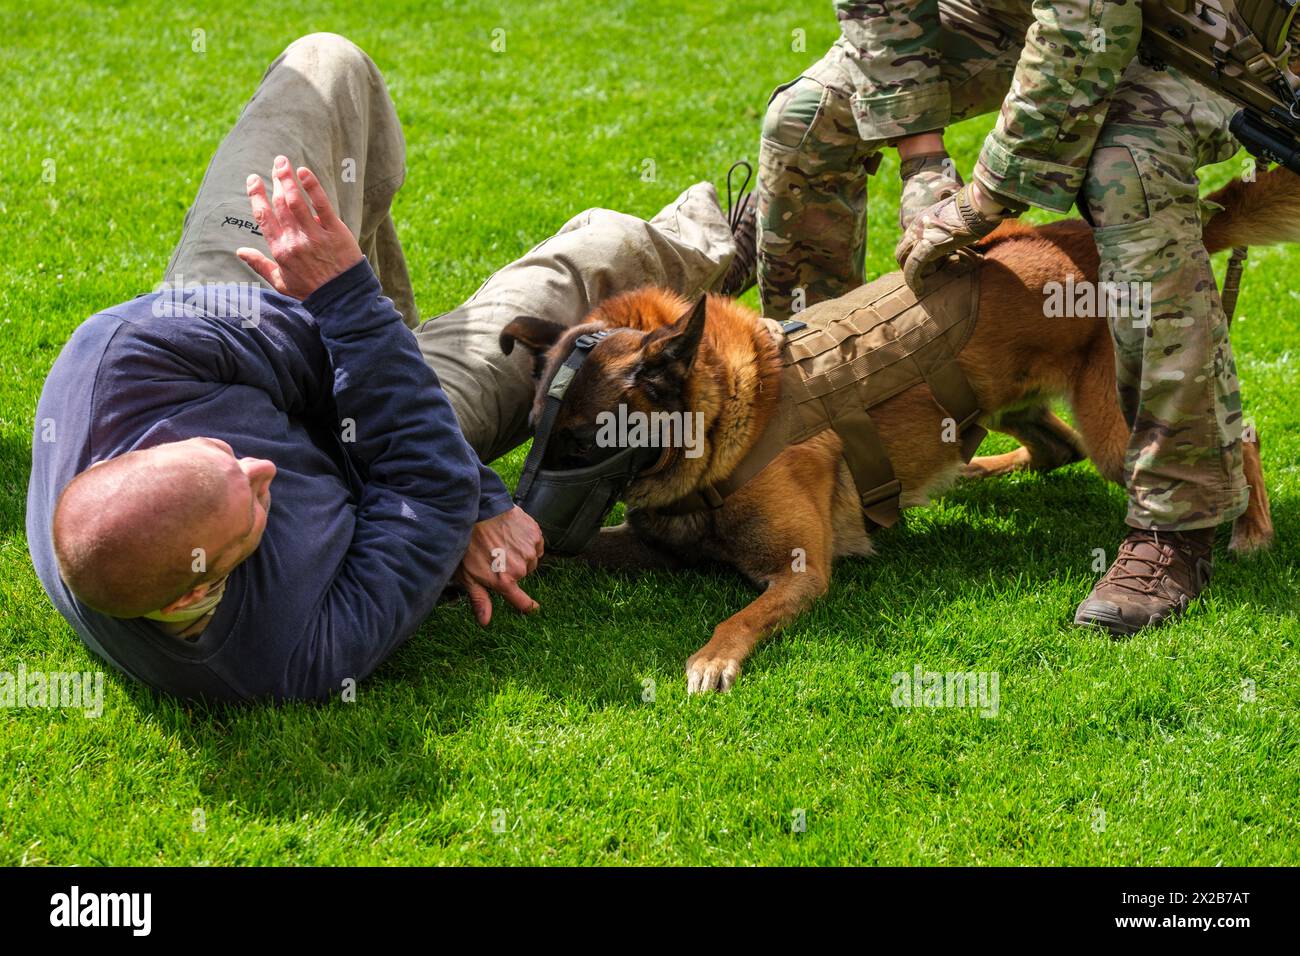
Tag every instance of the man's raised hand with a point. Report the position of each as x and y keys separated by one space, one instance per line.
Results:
x=309 y=243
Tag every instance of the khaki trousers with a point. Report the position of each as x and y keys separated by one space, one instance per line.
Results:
x=323 y=103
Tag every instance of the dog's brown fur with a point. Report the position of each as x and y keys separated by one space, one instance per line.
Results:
x=786 y=526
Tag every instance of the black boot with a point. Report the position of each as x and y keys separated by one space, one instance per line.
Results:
x=743 y=217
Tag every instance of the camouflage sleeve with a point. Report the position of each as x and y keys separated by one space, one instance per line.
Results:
x=895 y=47
x=1074 y=55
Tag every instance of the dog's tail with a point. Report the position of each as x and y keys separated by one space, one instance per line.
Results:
x=1259 y=213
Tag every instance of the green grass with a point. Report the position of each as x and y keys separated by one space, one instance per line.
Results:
x=1134 y=752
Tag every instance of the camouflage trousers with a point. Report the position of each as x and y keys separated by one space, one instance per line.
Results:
x=820 y=138
x=1176 y=376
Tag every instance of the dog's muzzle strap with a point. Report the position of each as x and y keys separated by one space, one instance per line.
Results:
x=570 y=504
x=555 y=393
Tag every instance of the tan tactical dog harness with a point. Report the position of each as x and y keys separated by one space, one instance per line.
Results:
x=846 y=356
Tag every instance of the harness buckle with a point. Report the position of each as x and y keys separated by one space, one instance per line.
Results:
x=874 y=496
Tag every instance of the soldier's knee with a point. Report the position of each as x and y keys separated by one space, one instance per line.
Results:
x=792 y=111
x=1113 y=193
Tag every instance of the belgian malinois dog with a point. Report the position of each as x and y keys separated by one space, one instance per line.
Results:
x=720 y=360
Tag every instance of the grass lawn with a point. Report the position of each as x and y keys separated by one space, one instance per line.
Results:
x=530 y=742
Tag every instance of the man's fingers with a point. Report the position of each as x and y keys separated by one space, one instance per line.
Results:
x=262 y=211
x=911 y=236
x=264 y=267
x=518 y=600
x=290 y=201
x=901 y=251
x=325 y=214
x=916 y=261
x=480 y=601
x=280 y=205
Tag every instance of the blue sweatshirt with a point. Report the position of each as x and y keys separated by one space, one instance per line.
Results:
x=362 y=535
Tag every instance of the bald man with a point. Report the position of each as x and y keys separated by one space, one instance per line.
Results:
x=337 y=414
x=252 y=484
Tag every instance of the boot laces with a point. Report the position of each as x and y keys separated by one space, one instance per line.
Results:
x=736 y=208
x=1137 y=572
x=741 y=217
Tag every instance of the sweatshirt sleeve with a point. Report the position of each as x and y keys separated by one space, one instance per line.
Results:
x=178 y=356
x=900 y=88
x=1075 y=53
x=494 y=497
x=422 y=491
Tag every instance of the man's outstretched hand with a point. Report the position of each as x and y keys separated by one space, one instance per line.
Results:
x=309 y=243
x=502 y=550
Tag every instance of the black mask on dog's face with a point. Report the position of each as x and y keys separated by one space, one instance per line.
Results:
x=568 y=492
x=570 y=504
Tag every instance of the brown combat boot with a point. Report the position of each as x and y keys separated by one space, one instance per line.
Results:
x=1155 y=576
x=742 y=216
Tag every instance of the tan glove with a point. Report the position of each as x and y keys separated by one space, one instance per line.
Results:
x=948 y=225
x=927 y=178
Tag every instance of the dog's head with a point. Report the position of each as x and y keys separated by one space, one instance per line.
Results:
x=608 y=384
x=642 y=366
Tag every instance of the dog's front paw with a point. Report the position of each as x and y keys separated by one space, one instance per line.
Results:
x=995 y=466
x=710 y=669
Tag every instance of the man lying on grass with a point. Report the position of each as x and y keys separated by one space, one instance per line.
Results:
x=277 y=362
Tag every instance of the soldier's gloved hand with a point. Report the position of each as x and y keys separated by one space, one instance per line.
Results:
x=927 y=178
x=948 y=225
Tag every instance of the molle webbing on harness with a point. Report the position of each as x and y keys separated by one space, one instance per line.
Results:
x=846 y=356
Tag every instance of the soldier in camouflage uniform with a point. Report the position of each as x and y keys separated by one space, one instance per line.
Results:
x=1081 y=119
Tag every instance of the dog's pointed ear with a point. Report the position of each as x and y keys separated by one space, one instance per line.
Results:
x=536 y=335
x=668 y=353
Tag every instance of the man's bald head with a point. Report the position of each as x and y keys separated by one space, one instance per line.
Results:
x=125 y=531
